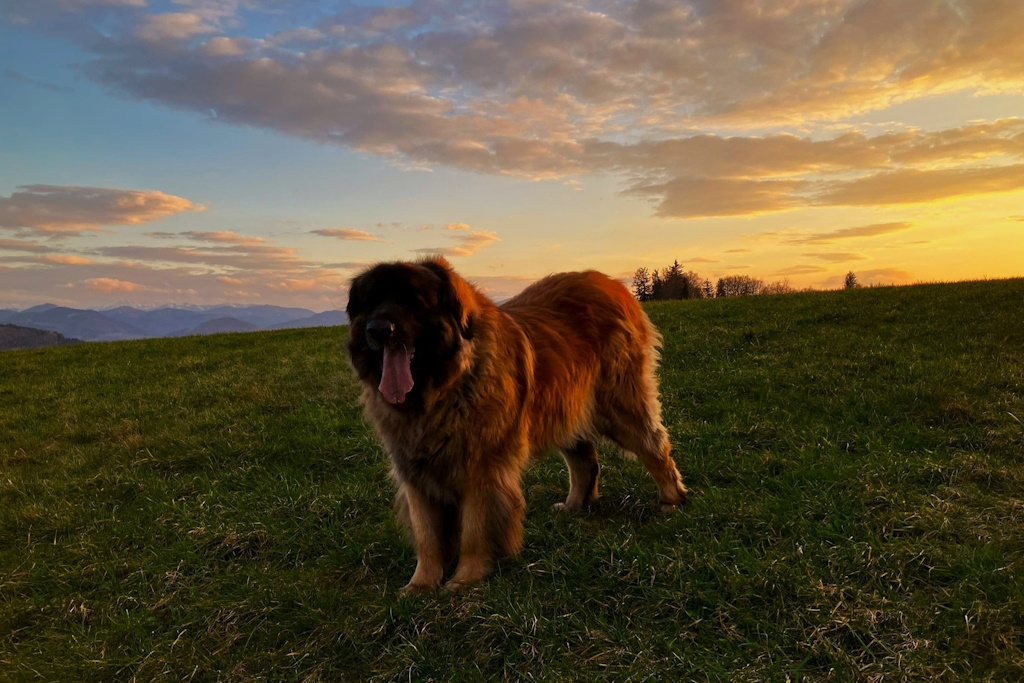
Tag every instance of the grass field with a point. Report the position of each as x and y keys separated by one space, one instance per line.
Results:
x=216 y=509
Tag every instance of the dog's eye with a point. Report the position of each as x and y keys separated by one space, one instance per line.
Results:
x=417 y=301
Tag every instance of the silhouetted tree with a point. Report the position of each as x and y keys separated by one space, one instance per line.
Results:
x=642 y=284
x=692 y=286
x=657 y=286
x=672 y=282
x=674 y=285
x=739 y=285
x=778 y=287
x=851 y=281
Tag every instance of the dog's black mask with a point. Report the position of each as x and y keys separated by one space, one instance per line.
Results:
x=405 y=329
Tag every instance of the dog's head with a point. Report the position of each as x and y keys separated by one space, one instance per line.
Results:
x=408 y=322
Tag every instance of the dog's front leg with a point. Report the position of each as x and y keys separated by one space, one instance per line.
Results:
x=492 y=527
x=426 y=519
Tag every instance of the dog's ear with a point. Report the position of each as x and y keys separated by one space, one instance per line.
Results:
x=356 y=294
x=455 y=294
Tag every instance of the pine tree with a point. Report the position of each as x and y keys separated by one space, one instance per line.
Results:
x=642 y=284
x=657 y=286
x=675 y=285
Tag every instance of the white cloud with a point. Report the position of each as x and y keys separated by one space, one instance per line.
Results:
x=157 y=28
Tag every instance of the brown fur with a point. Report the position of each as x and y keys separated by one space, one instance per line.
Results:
x=569 y=360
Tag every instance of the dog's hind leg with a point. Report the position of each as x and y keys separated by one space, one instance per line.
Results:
x=584 y=470
x=630 y=415
x=652 y=446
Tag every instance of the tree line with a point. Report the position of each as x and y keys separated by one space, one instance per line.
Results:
x=673 y=282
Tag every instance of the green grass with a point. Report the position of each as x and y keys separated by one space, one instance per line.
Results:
x=216 y=509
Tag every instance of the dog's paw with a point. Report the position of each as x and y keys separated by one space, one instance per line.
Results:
x=672 y=501
x=565 y=507
x=682 y=499
x=418 y=588
x=464 y=580
x=454 y=586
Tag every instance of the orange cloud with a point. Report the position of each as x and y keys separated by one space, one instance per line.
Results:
x=59 y=210
x=469 y=244
x=22 y=245
x=293 y=285
x=800 y=270
x=708 y=197
x=66 y=259
x=108 y=285
x=349 y=234
x=708 y=175
x=836 y=256
x=915 y=186
x=872 y=230
x=225 y=237
x=242 y=257
x=877 y=52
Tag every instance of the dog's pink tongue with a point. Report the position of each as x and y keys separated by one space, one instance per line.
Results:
x=396 y=378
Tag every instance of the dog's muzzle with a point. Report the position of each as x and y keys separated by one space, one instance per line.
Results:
x=379 y=333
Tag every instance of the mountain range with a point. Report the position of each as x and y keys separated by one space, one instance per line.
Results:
x=126 y=322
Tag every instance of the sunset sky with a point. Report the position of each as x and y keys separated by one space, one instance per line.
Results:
x=262 y=151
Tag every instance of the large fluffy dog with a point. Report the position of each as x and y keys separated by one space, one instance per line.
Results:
x=463 y=392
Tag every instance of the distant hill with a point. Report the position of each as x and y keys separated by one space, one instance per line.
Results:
x=72 y=322
x=160 y=322
x=325 y=319
x=261 y=316
x=15 y=337
x=219 y=326
x=40 y=308
x=128 y=322
x=172 y=320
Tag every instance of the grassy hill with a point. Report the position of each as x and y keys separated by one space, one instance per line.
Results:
x=215 y=509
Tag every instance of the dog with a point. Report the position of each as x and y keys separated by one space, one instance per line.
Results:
x=463 y=392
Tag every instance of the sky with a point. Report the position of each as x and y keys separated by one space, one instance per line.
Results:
x=159 y=152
